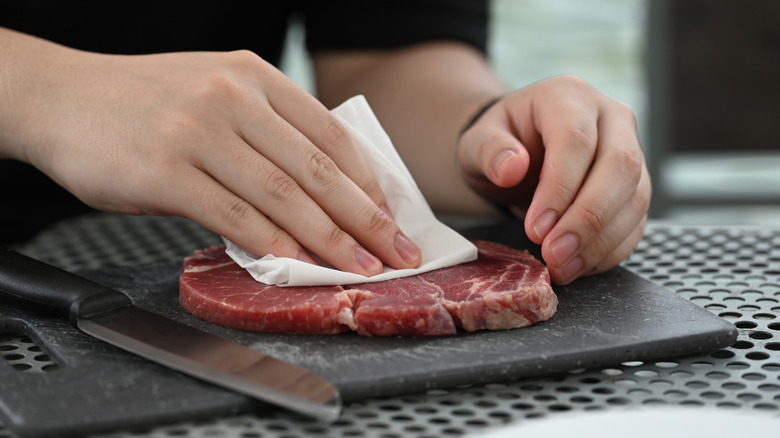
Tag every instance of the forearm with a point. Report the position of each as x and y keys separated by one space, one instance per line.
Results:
x=423 y=96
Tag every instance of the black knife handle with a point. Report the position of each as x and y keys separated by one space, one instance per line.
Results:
x=43 y=287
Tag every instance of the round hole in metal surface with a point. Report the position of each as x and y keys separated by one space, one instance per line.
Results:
x=771 y=367
x=697 y=384
x=764 y=316
x=590 y=380
x=662 y=383
x=463 y=413
x=754 y=376
x=733 y=386
x=765 y=407
x=757 y=355
x=603 y=390
x=581 y=399
x=567 y=389
x=681 y=374
x=760 y=335
x=718 y=375
x=476 y=422
x=618 y=401
x=748 y=397
x=749 y=308
x=774 y=326
x=666 y=364
x=676 y=393
x=722 y=354
x=522 y=406
x=655 y=402
x=712 y=395
x=769 y=387
x=545 y=397
x=742 y=345
x=692 y=403
x=13 y=356
x=745 y=324
x=500 y=415
x=773 y=346
x=737 y=365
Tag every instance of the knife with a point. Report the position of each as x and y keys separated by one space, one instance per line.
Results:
x=110 y=315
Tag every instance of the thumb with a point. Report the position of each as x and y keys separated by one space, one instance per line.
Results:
x=493 y=155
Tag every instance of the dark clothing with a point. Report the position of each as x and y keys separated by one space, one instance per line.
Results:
x=31 y=200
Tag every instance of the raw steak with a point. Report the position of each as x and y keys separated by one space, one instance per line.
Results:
x=504 y=288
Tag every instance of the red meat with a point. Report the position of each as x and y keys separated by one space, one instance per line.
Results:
x=504 y=288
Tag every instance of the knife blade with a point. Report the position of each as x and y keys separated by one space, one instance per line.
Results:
x=109 y=315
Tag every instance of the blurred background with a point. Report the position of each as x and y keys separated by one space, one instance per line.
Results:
x=702 y=76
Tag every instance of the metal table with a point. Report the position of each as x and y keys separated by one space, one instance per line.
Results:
x=732 y=271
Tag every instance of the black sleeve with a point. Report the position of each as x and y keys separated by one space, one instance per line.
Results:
x=386 y=24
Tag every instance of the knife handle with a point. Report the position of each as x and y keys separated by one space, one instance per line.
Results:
x=43 y=287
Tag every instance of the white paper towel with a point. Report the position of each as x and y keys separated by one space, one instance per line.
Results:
x=440 y=245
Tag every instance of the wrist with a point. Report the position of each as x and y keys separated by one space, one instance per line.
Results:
x=478 y=114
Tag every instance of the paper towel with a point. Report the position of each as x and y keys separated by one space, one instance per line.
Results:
x=440 y=245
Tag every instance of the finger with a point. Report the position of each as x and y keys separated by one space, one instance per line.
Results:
x=569 y=129
x=604 y=249
x=218 y=209
x=622 y=251
x=276 y=195
x=307 y=115
x=345 y=203
x=490 y=154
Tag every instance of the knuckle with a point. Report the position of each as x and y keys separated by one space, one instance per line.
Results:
x=335 y=237
x=237 y=212
x=218 y=86
x=378 y=222
x=336 y=135
x=322 y=168
x=282 y=187
x=631 y=163
x=582 y=137
x=593 y=219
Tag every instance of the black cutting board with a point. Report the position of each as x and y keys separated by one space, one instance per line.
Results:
x=601 y=321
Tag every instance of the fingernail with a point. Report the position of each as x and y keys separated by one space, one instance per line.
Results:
x=570 y=271
x=305 y=257
x=545 y=223
x=565 y=247
x=367 y=261
x=500 y=159
x=407 y=249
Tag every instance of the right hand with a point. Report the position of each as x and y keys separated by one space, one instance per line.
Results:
x=224 y=139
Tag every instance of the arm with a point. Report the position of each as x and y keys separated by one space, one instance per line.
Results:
x=215 y=137
x=564 y=156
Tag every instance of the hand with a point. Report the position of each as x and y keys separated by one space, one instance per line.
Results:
x=224 y=139
x=568 y=159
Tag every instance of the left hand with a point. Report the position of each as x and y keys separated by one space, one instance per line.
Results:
x=569 y=159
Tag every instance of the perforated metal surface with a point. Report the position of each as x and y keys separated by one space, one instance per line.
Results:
x=732 y=271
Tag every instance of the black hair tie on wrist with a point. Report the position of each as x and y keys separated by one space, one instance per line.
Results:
x=482 y=110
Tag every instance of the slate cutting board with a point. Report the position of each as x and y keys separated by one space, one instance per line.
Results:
x=601 y=321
